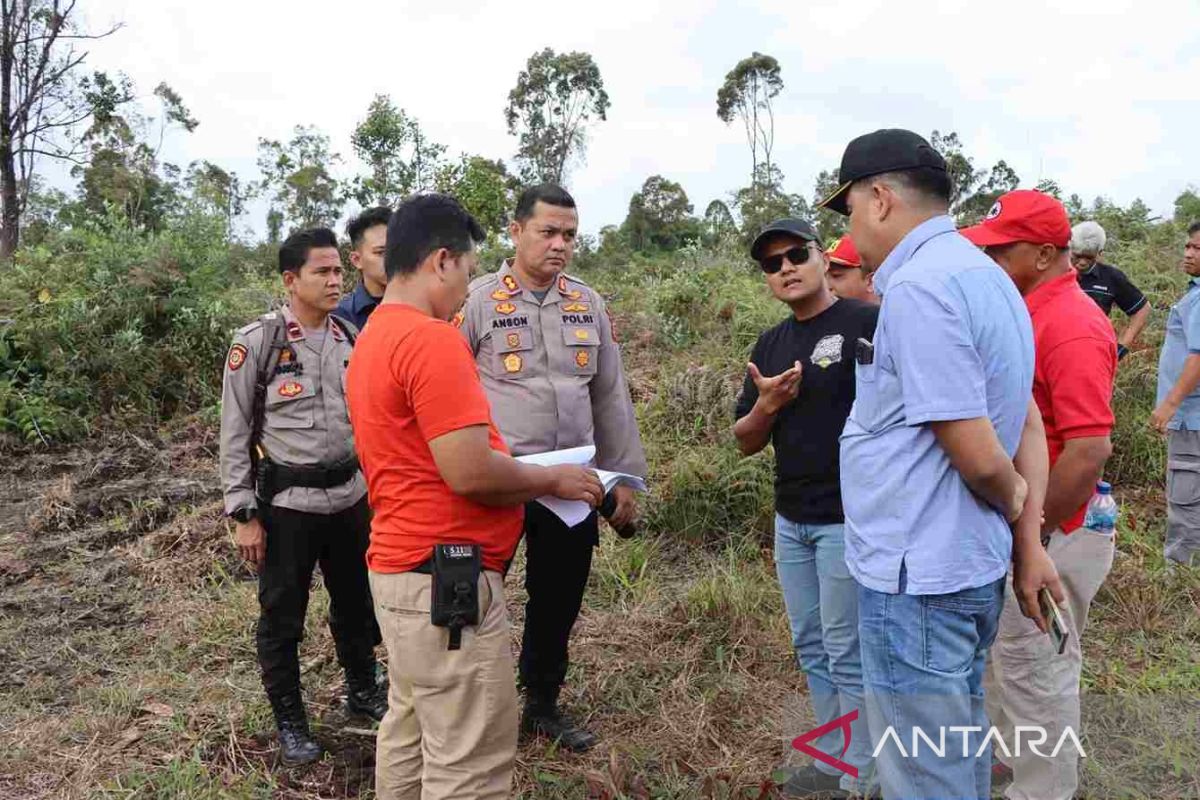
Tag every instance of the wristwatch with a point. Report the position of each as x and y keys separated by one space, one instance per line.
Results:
x=244 y=514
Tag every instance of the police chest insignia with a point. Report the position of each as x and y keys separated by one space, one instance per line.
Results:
x=576 y=307
x=237 y=357
x=513 y=339
x=828 y=351
x=562 y=284
x=458 y=319
x=337 y=333
x=500 y=294
x=512 y=363
x=505 y=308
x=583 y=358
x=574 y=294
x=581 y=334
x=290 y=389
x=286 y=355
x=294 y=332
x=510 y=283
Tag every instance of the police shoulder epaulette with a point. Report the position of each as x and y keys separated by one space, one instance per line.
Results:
x=573 y=279
x=246 y=330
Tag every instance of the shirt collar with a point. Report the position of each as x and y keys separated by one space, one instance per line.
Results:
x=909 y=245
x=362 y=299
x=1193 y=282
x=1051 y=289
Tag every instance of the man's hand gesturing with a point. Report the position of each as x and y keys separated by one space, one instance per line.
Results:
x=775 y=393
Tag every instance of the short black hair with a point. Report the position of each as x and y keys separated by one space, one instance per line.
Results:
x=293 y=253
x=1194 y=228
x=425 y=223
x=933 y=184
x=355 y=228
x=550 y=193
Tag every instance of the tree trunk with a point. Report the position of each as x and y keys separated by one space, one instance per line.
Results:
x=10 y=210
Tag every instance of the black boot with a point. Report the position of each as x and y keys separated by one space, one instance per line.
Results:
x=364 y=696
x=296 y=745
x=542 y=717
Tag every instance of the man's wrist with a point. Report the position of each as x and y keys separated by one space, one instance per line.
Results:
x=761 y=407
x=244 y=514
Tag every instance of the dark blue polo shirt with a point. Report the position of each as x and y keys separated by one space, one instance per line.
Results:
x=357 y=306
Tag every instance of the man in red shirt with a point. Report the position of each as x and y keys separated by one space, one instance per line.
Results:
x=1028 y=683
x=438 y=473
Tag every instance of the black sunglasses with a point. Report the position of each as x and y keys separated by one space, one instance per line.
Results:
x=795 y=256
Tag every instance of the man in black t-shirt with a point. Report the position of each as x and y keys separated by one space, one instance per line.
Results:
x=1106 y=284
x=798 y=392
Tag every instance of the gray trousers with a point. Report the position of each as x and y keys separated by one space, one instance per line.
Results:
x=1183 y=497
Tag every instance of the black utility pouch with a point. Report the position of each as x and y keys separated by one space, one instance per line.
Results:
x=455 y=602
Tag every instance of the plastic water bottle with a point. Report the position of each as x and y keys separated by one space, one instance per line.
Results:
x=1101 y=515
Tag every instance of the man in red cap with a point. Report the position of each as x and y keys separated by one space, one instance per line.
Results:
x=1075 y=361
x=846 y=277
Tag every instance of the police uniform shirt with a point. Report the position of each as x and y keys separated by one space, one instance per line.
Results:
x=1107 y=285
x=305 y=423
x=552 y=369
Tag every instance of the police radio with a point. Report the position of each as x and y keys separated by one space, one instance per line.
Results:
x=455 y=601
x=609 y=507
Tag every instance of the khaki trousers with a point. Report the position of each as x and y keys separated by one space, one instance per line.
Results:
x=1028 y=684
x=451 y=727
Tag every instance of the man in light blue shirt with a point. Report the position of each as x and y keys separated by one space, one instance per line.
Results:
x=1178 y=412
x=929 y=482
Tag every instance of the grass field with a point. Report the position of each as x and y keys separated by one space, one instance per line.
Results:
x=126 y=622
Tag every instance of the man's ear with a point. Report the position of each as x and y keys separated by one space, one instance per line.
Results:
x=514 y=228
x=1047 y=255
x=289 y=278
x=356 y=259
x=441 y=262
x=882 y=200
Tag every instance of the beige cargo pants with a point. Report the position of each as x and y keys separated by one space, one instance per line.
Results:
x=1028 y=684
x=451 y=725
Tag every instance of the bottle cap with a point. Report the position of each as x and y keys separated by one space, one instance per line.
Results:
x=1104 y=487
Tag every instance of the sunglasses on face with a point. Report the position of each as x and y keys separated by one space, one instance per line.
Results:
x=795 y=256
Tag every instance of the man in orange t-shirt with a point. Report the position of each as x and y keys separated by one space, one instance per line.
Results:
x=438 y=473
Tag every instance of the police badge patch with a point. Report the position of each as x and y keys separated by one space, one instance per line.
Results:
x=828 y=350
x=237 y=357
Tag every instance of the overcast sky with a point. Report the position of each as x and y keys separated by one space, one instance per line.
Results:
x=1102 y=96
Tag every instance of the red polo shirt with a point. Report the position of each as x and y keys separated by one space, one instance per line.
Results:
x=1075 y=356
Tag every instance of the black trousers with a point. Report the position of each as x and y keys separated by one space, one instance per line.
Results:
x=557 y=562
x=296 y=541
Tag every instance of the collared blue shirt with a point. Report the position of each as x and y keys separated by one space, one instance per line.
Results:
x=1182 y=340
x=357 y=306
x=954 y=341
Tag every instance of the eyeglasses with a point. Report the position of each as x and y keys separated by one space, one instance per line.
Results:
x=795 y=256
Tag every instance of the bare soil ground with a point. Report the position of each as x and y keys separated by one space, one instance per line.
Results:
x=126 y=635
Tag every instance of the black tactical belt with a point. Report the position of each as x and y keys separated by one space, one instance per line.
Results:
x=283 y=476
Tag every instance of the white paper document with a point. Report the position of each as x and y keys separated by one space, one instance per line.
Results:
x=573 y=512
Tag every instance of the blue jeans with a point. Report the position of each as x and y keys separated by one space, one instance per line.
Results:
x=923 y=665
x=822 y=607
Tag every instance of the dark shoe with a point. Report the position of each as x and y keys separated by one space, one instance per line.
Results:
x=296 y=744
x=364 y=696
x=811 y=782
x=546 y=720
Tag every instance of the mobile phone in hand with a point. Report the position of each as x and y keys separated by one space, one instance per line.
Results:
x=1058 y=626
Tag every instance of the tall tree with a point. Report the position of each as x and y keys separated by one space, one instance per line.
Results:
x=747 y=93
x=123 y=169
x=40 y=101
x=216 y=190
x=718 y=222
x=830 y=224
x=484 y=187
x=765 y=200
x=660 y=216
x=995 y=182
x=963 y=175
x=299 y=179
x=399 y=155
x=549 y=110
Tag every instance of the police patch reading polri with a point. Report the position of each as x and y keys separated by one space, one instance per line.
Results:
x=237 y=357
x=828 y=350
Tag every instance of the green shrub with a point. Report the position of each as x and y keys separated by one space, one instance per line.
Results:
x=106 y=322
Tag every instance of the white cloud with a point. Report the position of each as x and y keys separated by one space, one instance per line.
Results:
x=1097 y=94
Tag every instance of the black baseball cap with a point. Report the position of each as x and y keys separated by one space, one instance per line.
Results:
x=887 y=150
x=789 y=226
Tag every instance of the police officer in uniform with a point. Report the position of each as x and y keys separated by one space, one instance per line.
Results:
x=549 y=361
x=293 y=487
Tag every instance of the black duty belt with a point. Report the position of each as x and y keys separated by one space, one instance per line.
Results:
x=274 y=478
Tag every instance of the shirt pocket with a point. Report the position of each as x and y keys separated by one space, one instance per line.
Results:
x=511 y=353
x=290 y=402
x=581 y=343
